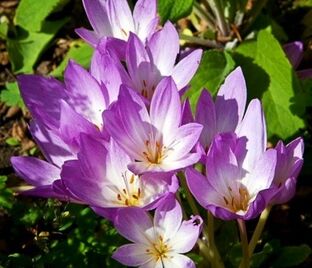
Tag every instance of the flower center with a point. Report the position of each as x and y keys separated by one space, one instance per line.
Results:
x=154 y=152
x=130 y=195
x=147 y=91
x=237 y=201
x=159 y=250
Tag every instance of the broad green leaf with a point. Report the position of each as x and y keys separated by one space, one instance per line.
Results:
x=292 y=256
x=280 y=101
x=271 y=78
x=31 y=14
x=174 y=10
x=11 y=95
x=80 y=52
x=214 y=67
x=25 y=50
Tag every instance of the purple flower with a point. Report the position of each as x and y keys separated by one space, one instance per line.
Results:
x=288 y=166
x=223 y=115
x=157 y=243
x=113 y=18
x=147 y=65
x=61 y=112
x=155 y=139
x=294 y=52
x=100 y=178
x=239 y=171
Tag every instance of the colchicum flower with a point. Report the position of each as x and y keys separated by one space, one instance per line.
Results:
x=239 y=171
x=148 y=64
x=288 y=166
x=113 y=18
x=61 y=112
x=223 y=115
x=159 y=242
x=154 y=139
x=101 y=179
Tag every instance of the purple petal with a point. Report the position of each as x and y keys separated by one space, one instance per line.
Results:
x=85 y=94
x=182 y=140
x=132 y=255
x=187 y=116
x=113 y=46
x=36 y=90
x=139 y=66
x=51 y=145
x=127 y=122
x=262 y=175
x=206 y=115
x=201 y=189
x=165 y=109
x=45 y=191
x=134 y=224
x=259 y=204
x=145 y=18
x=121 y=18
x=178 y=261
x=70 y=132
x=107 y=213
x=231 y=101
x=294 y=52
x=164 y=47
x=223 y=166
x=110 y=72
x=286 y=192
x=97 y=15
x=168 y=217
x=187 y=235
x=87 y=189
x=89 y=36
x=35 y=171
x=184 y=71
x=254 y=128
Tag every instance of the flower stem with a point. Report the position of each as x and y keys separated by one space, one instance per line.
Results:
x=200 y=41
x=244 y=242
x=215 y=256
x=217 y=9
x=259 y=228
x=204 y=15
x=189 y=196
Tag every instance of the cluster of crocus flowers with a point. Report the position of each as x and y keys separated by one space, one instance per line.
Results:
x=116 y=136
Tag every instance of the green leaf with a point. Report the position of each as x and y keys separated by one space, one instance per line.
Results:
x=292 y=256
x=11 y=95
x=302 y=3
x=265 y=22
x=4 y=27
x=174 y=10
x=12 y=141
x=279 y=100
x=31 y=14
x=6 y=195
x=214 y=67
x=271 y=78
x=260 y=257
x=25 y=50
x=80 y=52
